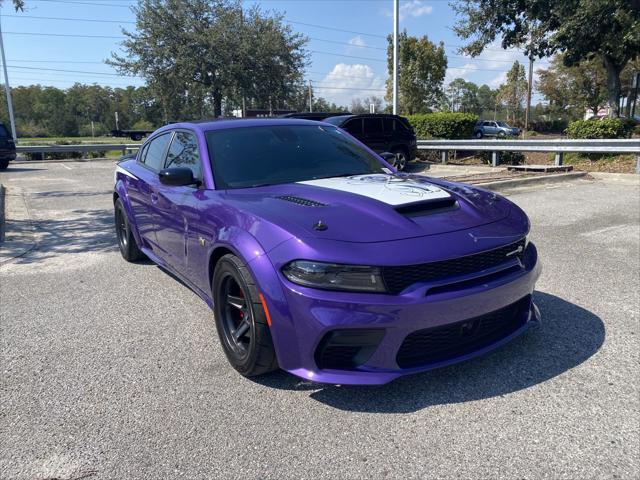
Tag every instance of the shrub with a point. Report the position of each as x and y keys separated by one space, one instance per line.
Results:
x=54 y=155
x=443 y=125
x=600 y=128
x=549 y=126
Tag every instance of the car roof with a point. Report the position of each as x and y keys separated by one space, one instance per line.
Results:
x=226 y=123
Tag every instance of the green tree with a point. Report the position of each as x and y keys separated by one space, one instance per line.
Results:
x=607 y=30
x=422 y=67
x=487 y=101
x=199 y=54
x=513 y=93
x=17 y=4
x=363 y=105
x=462 y=96
x=573 y=89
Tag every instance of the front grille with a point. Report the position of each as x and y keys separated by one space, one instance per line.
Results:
x=397 y=278
x=456 y=339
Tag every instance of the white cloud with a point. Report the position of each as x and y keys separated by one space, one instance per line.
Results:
x=413 y=8
x=357 y=41
x=347 y=81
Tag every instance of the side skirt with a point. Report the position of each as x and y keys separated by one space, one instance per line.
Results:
x=207 y=299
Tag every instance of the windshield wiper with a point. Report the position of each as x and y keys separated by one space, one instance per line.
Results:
x=338 y=175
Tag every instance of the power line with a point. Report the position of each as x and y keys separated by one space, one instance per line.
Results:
x=70 y=71
x=72 y=35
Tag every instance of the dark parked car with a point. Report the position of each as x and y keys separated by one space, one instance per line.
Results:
x=317 y=116
x=489 y=128
x=7 y=147
x=381 y=133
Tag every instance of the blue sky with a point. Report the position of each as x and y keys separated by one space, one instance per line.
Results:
x=345 y=64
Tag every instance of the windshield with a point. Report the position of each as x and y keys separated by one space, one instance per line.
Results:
x=275 y=154
x=502 y=124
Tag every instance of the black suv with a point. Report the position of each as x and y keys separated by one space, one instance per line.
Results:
x=7 y=147
x=381 y=133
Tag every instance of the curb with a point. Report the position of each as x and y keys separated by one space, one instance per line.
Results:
x=16 y=244
x=2 y=189
x=518 y=182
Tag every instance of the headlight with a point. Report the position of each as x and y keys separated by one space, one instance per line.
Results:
x=332 y=276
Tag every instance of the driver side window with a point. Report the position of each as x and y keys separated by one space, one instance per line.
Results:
x=183 y=152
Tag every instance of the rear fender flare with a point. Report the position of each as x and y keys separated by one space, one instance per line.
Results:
x=120 y=191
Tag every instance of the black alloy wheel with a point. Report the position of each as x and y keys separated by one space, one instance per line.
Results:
x=241 y=318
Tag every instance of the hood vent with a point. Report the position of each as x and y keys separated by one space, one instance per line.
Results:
x=305 y=202
x=428 y=208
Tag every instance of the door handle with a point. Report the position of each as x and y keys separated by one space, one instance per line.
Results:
x=154 y=198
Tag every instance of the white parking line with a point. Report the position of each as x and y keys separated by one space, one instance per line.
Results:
x=65 y=166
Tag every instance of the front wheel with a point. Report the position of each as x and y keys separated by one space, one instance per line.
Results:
x=4 y=163
x=241 y=320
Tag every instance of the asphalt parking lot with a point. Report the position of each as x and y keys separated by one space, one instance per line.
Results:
x=113 y=371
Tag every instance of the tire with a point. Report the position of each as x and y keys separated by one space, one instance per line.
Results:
x=479 y=134
x=136 y=137
x=501 y=134
x=4 y=163
x=126 y=240
x=402 y=158
x=240 y=319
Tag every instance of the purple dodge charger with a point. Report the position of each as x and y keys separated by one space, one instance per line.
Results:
x=318 y=258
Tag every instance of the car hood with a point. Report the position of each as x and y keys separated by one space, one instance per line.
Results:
x=371 y=208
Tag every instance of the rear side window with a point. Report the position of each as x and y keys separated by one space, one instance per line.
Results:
x=142 y=153
x=388 y=125
x=3 y=131
x=183 y=152
x=372 y=125
x=155 y=153
x=354 y=127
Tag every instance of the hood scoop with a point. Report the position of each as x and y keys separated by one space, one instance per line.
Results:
x=305 y=202
x=428 y=208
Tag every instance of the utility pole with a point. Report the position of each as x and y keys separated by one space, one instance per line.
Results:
x=7 y=88
x=527 y=113
x=310 y=98
x=396 y=18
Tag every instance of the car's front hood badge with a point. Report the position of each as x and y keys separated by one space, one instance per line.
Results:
x=390 y=189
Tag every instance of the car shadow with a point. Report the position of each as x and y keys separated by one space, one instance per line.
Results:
x=568 y=336
x=83 y=231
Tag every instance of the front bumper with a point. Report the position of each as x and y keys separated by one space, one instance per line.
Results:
x=316 y=313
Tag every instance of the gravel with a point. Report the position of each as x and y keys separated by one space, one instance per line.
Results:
x=112 y=370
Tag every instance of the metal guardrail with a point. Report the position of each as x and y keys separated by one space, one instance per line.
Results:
x=86 y=148
x=558 y=146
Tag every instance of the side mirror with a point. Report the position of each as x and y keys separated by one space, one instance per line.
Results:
x=389 y=157
x=177 y=177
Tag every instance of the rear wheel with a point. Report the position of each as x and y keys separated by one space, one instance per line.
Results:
x=479 y=134
x=4 y=163
x=126 y=240
x=241 y=320
x=401 y=159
